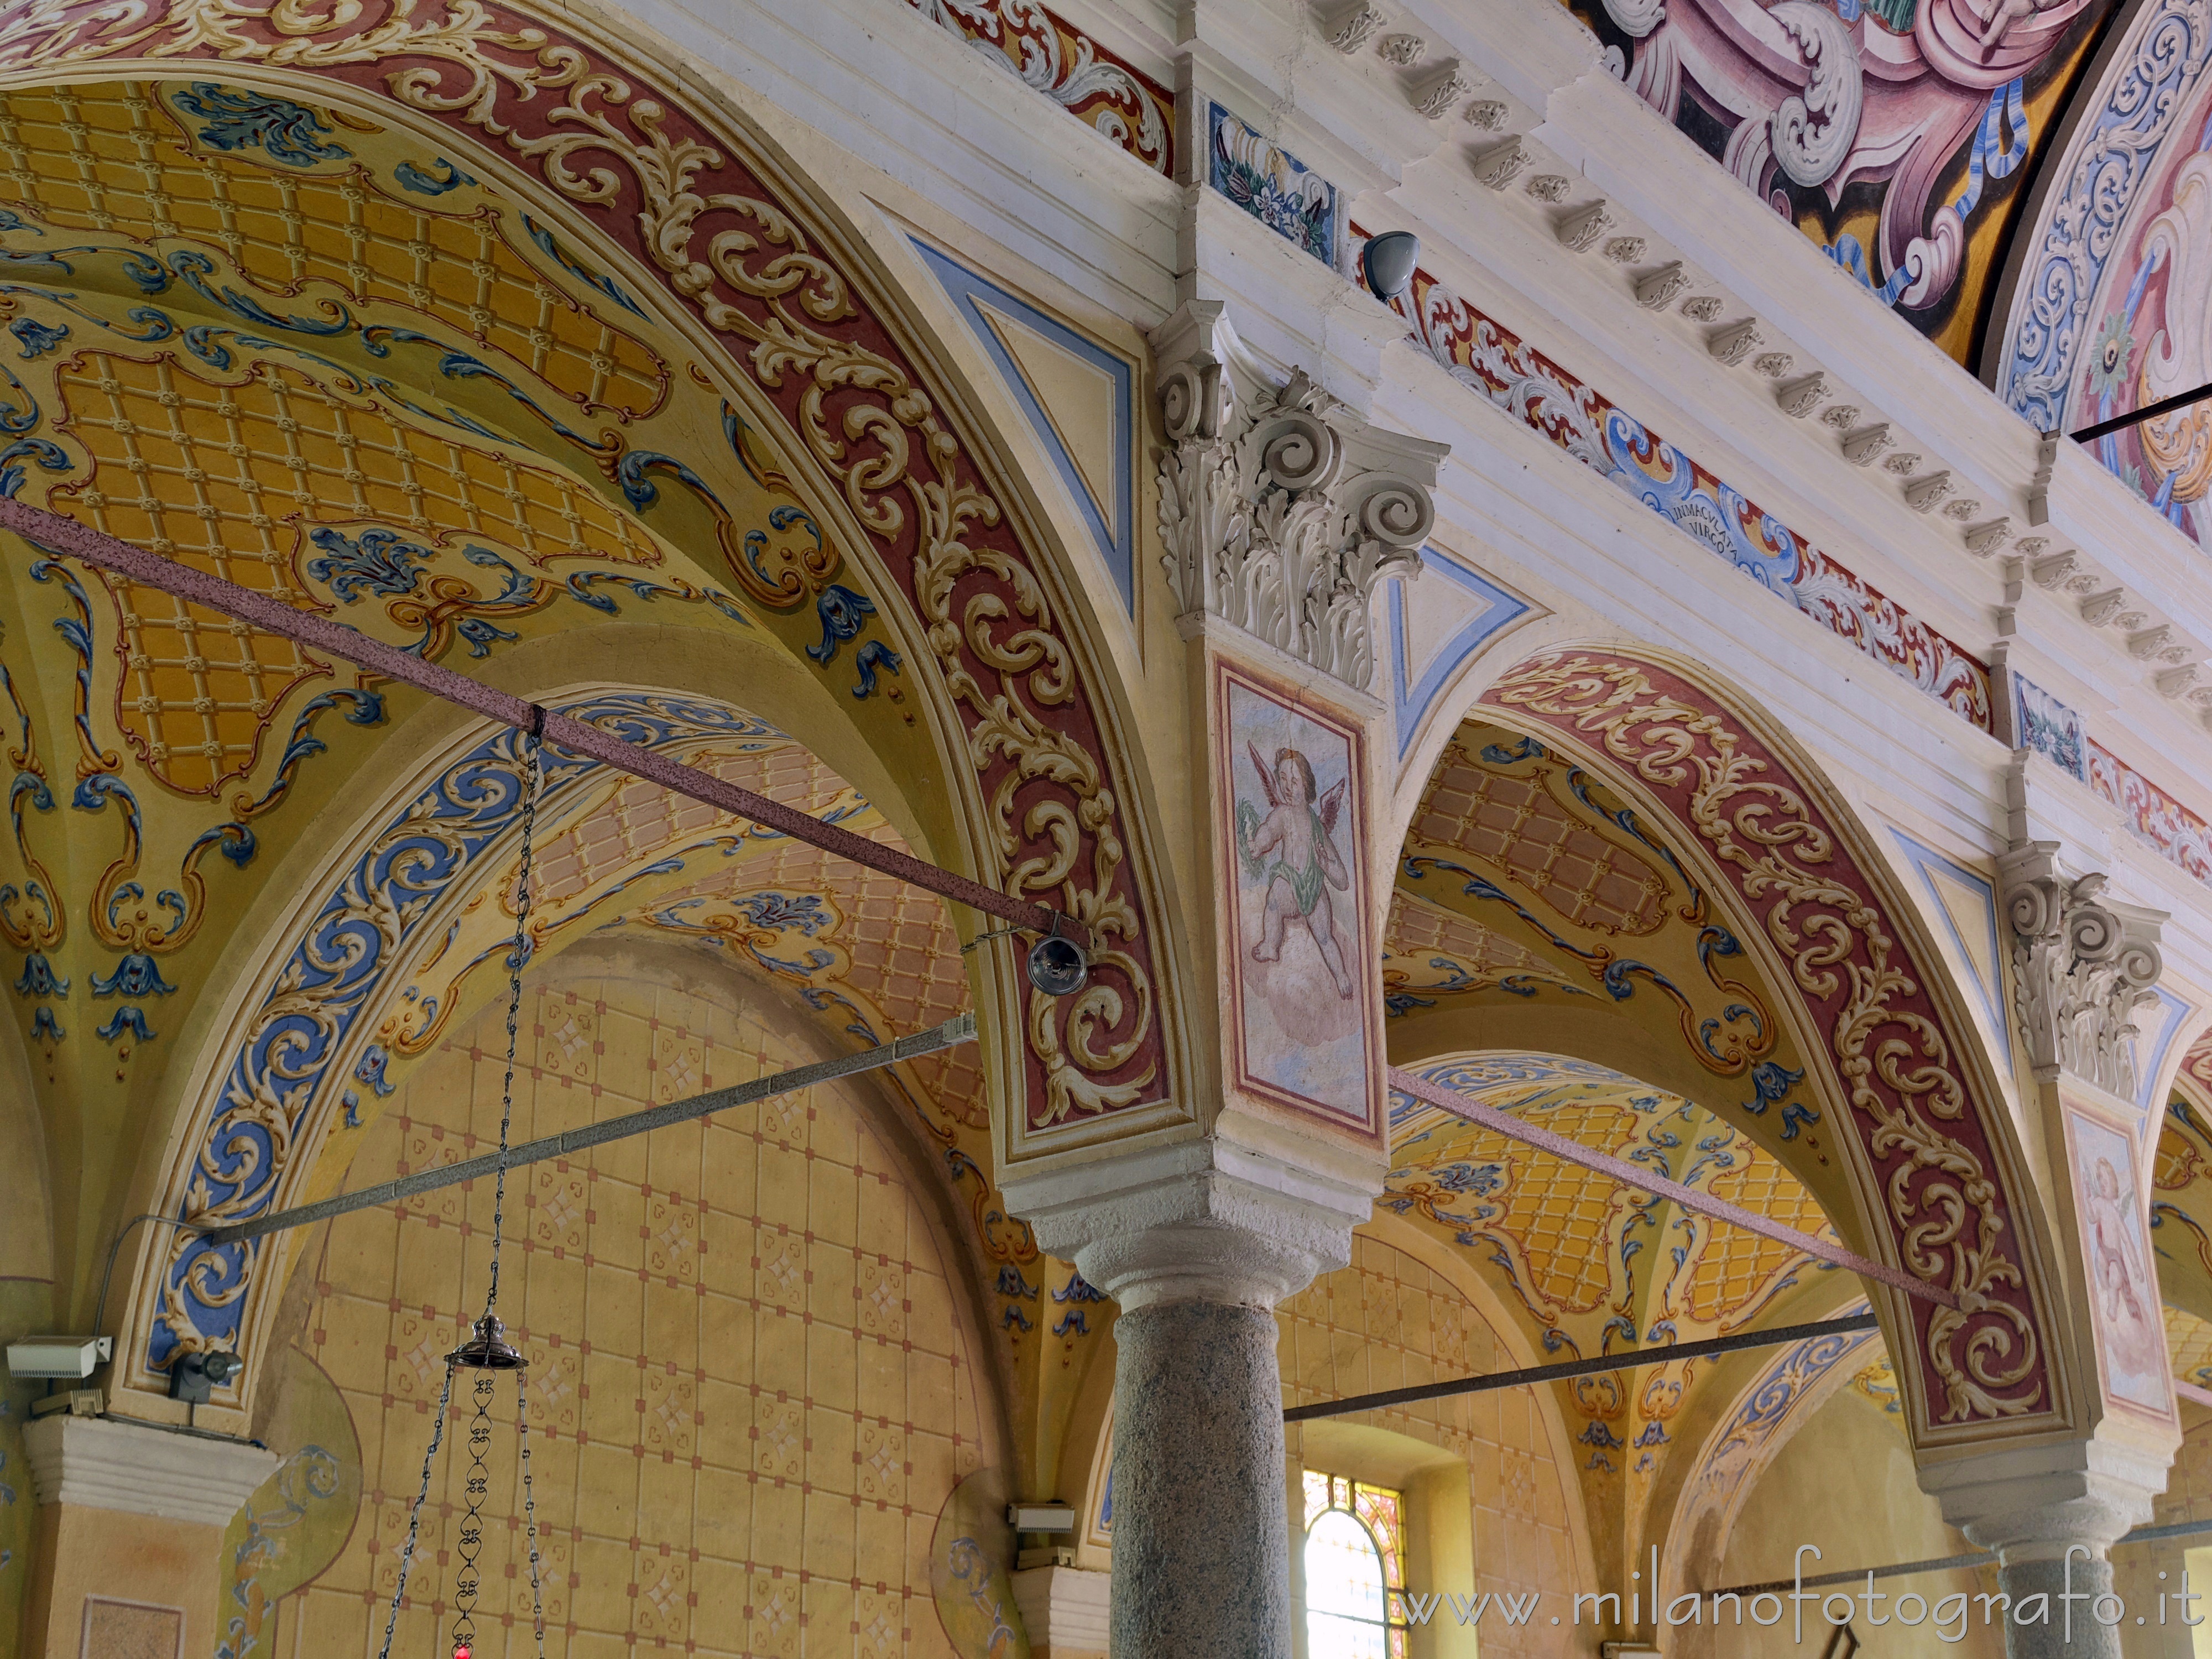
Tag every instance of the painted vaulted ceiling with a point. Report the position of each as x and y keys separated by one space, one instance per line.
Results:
x=323 y=360
x=1902 y=136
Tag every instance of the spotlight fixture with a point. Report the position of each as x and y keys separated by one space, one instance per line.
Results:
x=50 y=1358
x=1386 y=263
x=194 y=1376
x=1058 y=966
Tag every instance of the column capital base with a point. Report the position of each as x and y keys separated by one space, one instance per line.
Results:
x=2032 y=1503
x=1205 y=1220
x=103 y=1463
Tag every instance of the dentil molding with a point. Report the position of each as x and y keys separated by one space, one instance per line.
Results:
x=2082 y=964
x=1282 y=510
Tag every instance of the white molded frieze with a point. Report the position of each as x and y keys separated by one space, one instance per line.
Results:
x=1283 y=511
x=2082 y=965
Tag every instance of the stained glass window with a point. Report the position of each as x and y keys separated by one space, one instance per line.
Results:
x=1355 y=1562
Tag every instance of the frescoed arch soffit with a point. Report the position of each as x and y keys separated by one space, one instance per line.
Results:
x=1590 y=1266
x=1608 y=846
x=617 y=859
x=467 y=334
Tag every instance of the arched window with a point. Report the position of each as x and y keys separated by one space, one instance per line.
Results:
x=1355 y=1570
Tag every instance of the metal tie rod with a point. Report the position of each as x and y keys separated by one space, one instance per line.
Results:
x=1644 y=1181
x=1947 y=1563
x=1774 y=1338
x=2136 y=417
x=951 y=1034
x=55 y=533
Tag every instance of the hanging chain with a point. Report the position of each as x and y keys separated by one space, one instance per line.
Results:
x=415 y=1515
x=529 y=1506
x=468 y=1579
x=524 y=874
x=468 y=1582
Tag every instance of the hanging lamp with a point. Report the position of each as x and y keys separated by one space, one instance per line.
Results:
x=488 y=1351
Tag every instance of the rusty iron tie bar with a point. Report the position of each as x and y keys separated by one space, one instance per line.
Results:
x=57 y=534
x=1627 y=1360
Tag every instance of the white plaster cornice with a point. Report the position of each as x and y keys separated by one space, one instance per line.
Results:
x=1206 y=1220
x=103 y=1463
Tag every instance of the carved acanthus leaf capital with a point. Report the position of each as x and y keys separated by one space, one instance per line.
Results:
x=2082 y=965
x=1282 y=512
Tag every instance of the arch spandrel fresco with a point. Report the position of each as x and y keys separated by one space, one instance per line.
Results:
x=1898 y=135
x=2108 y=308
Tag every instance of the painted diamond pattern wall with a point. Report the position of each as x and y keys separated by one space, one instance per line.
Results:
x=749 y=1394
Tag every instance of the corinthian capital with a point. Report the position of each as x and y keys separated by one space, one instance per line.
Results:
x=1282 y=510
x=2082 y=964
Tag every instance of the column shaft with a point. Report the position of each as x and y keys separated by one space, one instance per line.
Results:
x=1201 y=1543
x=2055 y=1635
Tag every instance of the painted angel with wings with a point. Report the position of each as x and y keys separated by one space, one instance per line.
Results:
x=1292 y=848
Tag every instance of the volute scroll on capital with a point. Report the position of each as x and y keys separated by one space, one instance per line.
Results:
x=2082 y=964
x=1282 y=512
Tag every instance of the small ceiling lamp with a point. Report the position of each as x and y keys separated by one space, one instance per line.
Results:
x=1058 y=966
x=1386 y=263
x=488 y=1351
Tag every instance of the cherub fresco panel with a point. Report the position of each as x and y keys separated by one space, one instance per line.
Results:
x=2124 y=1295
x=1300 y=909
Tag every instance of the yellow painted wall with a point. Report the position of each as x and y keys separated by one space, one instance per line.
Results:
x=1843 y=1482
x=2136 y=1567
x=772 y=1468
x=1388 y=1322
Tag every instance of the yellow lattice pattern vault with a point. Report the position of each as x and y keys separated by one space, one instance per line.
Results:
x=1735 y=1265
x=904 y=967
x=226 y=478
x=639 y=821
x=116 y=159
x=1515 y=822
x=2189 y=1341
x=1417 y=929
x=1563 y=1229
x=751 y=1391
